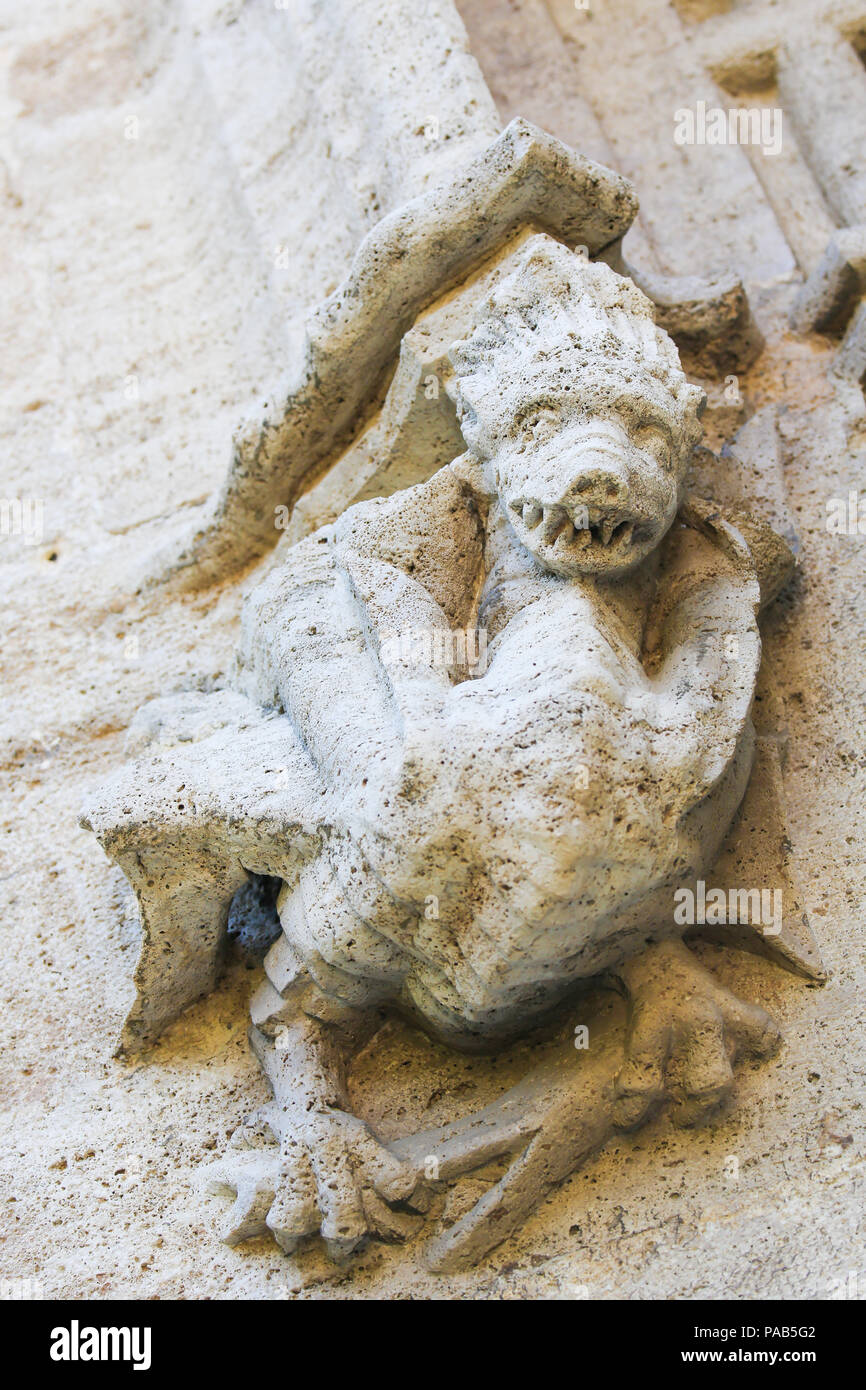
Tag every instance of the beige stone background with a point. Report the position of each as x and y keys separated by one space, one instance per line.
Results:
x=178 y=183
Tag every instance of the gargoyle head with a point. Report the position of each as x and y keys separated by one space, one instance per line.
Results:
x=578 y=408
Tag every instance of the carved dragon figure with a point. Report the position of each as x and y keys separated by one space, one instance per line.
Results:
x=469 y=845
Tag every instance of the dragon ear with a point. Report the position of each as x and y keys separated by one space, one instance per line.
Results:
x=692 y=401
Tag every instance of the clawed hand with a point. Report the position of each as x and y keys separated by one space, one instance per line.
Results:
x=685 y=1032
x=332 y=1177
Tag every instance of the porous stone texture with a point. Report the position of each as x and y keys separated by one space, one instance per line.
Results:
x=155 y=164
x=465 y=839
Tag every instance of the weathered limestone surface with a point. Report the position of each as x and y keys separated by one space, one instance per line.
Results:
x=147 y=306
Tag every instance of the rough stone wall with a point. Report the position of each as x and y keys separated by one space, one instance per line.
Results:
x=179 y=184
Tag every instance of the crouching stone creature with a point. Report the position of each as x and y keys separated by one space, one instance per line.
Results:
x=467 y=831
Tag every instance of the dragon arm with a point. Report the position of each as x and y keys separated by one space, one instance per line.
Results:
x=702 y=651
x=323 y=637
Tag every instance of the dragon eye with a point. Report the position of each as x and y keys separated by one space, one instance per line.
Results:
x=655 y=439
x=537 y=424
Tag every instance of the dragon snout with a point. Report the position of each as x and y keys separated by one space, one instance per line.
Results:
x=599 y=486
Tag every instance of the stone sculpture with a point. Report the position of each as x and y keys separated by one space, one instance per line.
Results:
x=479 y=731
x=524 y=179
